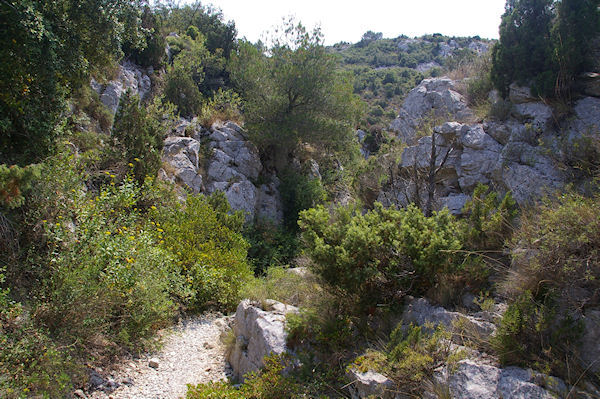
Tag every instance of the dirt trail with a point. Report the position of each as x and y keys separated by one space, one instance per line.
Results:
x=192 y=353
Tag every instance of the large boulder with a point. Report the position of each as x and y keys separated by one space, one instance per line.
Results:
x=259 y=332
x=268 y=205
x=221 y=159
x=590 y=342
x=181 y=154
x=474 y=379
x=435 y=97
x=506 y=156
x=589 y=84
x=479 y=158
x=587 y=117
x=520 y=94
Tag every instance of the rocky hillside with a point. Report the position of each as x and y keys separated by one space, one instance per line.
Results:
x=385 y=70
x=528 y=150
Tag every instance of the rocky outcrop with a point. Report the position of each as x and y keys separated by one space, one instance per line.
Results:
x=221 y=158
x=130 y=77
x=433 y=98
x=421 y=313
x=181 y=154
x=476 y=376
x=258 y=333
x=590 y=342
x=473 y=379
x=521 y=154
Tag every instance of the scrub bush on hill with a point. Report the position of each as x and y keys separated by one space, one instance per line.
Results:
x=209 y=249
x=383 y=254
x=555 y=275
x=410 y=357
x=107 y=277
x=31 y=364
x=138 y=135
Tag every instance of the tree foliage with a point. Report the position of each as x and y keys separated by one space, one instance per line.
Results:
x=47 y=48
x=206 y=19
x=544 y=43
x=294 y=92
x=524 y=51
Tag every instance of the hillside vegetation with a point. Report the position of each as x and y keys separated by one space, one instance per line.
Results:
x=385 y=70
x=99 y=249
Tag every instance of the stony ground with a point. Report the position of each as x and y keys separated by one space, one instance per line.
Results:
x=192 y=353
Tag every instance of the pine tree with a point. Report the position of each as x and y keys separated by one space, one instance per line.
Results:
x=524 y=51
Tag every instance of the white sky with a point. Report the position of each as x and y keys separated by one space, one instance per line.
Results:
x=348 y=20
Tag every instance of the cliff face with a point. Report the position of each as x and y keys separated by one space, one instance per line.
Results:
x=529 y=153
x=222 y=158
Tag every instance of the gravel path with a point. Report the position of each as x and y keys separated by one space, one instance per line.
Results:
x=192 y=353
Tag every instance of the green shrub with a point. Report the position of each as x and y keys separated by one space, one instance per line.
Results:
x=31 y=364
x=298 y=192
x=87 y=100
x=410 y=357
x=107 y=276
x=270 y=245
x=181 y=90
x=209 y=249
x=480 y=85
x=225 y=105
x=554 y=274
x=152 y=53
x=14 y=182
x=138 y=133
x=285 y=286
x=490 y=221
x=269 y=383
x=382 y=254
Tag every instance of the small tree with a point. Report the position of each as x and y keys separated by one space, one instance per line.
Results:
x=295 y=94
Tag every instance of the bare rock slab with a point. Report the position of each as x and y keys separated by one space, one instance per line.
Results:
x=259 y=332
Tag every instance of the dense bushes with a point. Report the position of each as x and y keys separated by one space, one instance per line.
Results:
x=107 y=277
x=299 y=191
x=554 y=276
x=101 y=269
x=269 y=383
x=382 y=254
x=209 y=250
x=49 y=49
x=270 y=245
x=410 y=357
x=138 y=133
x=31 y=364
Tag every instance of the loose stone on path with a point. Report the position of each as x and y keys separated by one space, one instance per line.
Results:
x=192 y=353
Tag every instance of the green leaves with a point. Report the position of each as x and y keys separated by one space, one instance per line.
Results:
x=294 y=93
x=382 y=253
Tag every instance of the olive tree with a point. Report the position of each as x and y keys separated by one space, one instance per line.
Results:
x=294 y=93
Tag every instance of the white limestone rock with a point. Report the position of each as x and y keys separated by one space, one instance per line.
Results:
x=259 y=332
